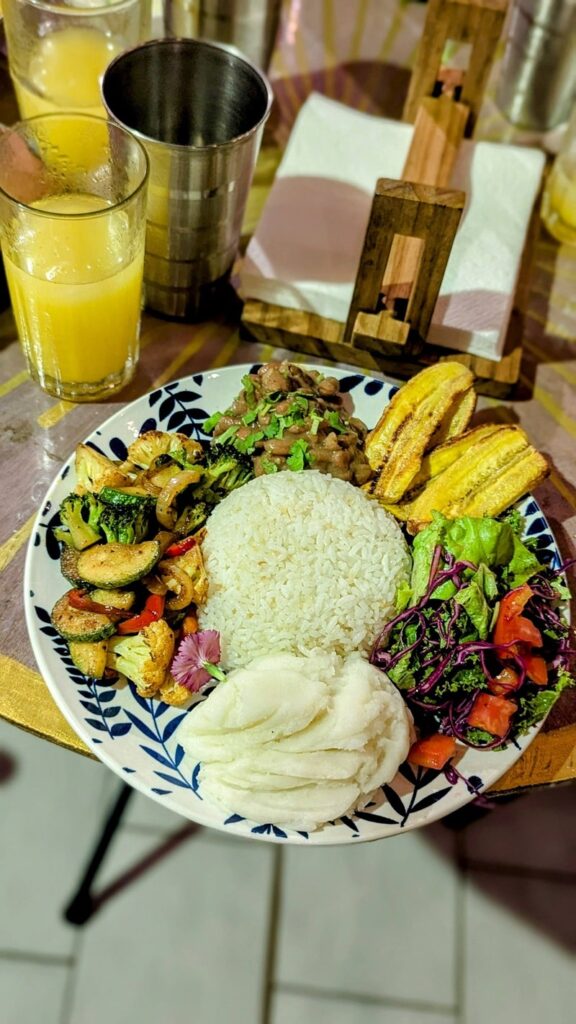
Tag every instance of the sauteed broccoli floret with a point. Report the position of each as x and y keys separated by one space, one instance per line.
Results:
x=126 y=524
x=76 y=528
x=87 y=519
x=226 y=469
x=192 y=518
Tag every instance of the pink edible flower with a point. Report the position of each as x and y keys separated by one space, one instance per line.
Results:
x=196 y=660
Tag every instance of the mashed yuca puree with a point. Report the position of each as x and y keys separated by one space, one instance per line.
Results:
x=298 y=740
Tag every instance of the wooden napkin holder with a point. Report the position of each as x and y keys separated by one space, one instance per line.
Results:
x=412 y=223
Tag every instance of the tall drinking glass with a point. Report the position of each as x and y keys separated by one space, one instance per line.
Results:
x=72 y=228
x=59 y=50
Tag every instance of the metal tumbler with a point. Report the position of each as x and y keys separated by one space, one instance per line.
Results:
x=537 y=85
x=199 y=110
x=249 y=25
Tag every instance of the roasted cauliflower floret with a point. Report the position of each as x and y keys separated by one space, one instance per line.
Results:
x=154 y=443
x=145 y=657
x=94 y=471
x=172 y=692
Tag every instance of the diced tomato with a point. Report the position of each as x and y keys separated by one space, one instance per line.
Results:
x=153 y=610
x=536 y=669
x=514 y=602
x=513 y=628
x=492 y=714
x=506 y=680
x=432 y=752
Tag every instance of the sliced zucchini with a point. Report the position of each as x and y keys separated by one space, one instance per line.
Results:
x=73 y=624
x=69 y=565
x=89 y=658
x=117 y=565
x=126 y=497
x=123 y=599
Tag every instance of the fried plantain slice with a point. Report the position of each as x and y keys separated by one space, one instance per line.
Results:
x=397 y=443
x=456 y=419
x=512 y=483
x=478 y=468
x=437 y=460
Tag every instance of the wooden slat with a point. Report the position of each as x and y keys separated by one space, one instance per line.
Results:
x=414 y=211
x=478 y=22
x=550 y=758
x=438 y=132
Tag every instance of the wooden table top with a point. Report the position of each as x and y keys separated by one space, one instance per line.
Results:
x=356 y=53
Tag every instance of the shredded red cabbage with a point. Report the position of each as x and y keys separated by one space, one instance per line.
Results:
x=436 y=657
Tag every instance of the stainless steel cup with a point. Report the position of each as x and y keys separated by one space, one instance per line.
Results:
x=249 y=25
x=537 y=84
x=199 y=109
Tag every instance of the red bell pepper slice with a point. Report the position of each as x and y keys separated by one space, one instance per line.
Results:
x=180 y=547
x=81 y=600
x=492 y=714
x=153 y=610
x=433 y=752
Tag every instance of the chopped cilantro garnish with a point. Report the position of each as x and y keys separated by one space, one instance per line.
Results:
x=268 y=466
x=250 y=416
x=227 y=435
x=249 y=390
x=333 y=418
x=299 y=456
x=273 y=428
x=211 y=422
x=315 y=421
x=248 y=444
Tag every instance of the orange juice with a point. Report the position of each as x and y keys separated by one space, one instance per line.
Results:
x=76 y=299
x=65 y=71
x=559 y=203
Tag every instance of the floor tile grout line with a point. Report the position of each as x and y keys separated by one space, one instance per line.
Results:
x=33 y=957
x=71 y=981
x=557 y=876
x=274 y=918
x=162 y=834
x=363 y=998
x=460 y=928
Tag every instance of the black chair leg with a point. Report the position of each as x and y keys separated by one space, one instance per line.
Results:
x=83 y=904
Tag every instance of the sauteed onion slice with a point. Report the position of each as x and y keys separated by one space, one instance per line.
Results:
x=166 y=514
x=178 y=581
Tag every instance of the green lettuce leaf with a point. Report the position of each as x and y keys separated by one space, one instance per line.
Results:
x=483 y=541
x=533 y=708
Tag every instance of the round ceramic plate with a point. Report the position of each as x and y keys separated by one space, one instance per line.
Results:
x=138 y=738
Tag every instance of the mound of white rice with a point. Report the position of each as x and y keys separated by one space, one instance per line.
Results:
x=300 y=563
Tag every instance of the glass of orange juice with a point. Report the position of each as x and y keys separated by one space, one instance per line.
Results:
x=559 y=199
x=72 y=229
x=59 y=50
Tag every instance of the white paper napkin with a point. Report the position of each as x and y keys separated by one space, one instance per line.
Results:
x=307 y=246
